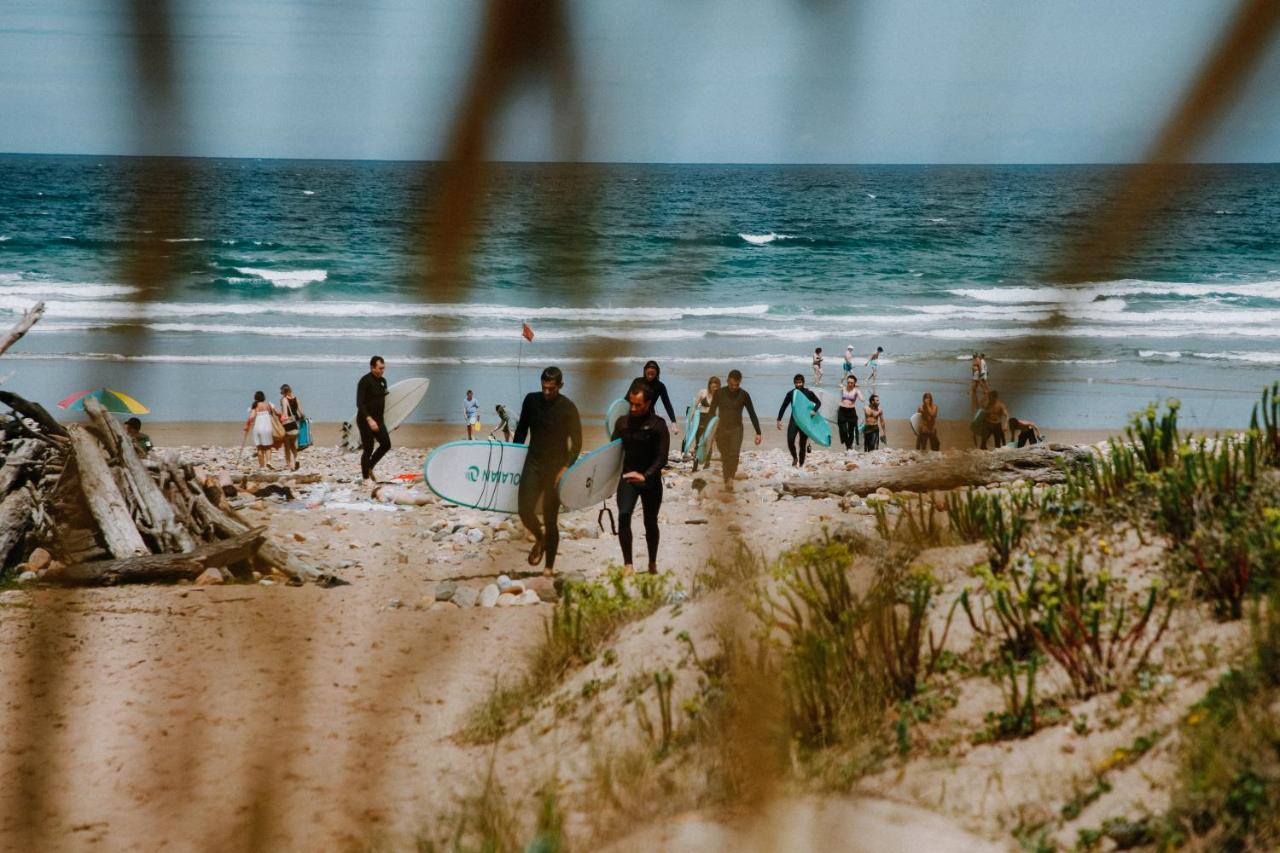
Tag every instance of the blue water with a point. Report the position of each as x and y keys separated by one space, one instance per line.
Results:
x=297 y=271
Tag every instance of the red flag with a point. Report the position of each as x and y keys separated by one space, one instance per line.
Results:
x=526 y=332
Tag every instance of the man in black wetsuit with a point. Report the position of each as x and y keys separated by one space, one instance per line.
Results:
x=728 y=404
x=793 y=430
x=652 y=374
x=371 y=401
x=550 y=421
x=646 y=444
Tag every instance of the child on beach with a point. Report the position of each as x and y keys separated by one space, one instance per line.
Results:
x=817 y=366
x=847 y=364
x=141 y=441
x=927 y=435
x=874 y=363
x=504 y=423
x=471 y=413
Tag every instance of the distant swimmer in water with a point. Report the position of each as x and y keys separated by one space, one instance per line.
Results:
x=793 y=429
x=847 y=415
x=550 y=422
x=817 y=366
x=703 y=402
x=651 y=375
x=646 y=444
x=874 y=363
x=847 y=364
x=727 y=405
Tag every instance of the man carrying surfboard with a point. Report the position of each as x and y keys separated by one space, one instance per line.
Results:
x=793 y=429
x=727 y=405
x=371 y=401
x=646 y=443
x=550 y=423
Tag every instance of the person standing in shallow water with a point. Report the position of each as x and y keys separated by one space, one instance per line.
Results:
x=371 y=403
x=550 y=422
x=646 y=444
x=793 y=429
x=817 y=366
x=728 y=404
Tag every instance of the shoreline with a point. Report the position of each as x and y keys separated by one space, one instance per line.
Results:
x=953 y=434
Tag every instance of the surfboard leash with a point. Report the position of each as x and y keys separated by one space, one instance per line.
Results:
x=604 y=509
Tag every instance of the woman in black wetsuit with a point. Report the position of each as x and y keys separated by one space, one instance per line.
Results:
x=793 y=430
x=645 y=445
x=651 y=374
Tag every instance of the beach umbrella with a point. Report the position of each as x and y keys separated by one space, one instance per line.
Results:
x=111 y=400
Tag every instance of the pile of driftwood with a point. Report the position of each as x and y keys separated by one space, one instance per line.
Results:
x=104 y=514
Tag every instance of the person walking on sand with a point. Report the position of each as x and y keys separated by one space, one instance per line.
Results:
x=550 y=423
x=371 y=404
x=703 y=403
x=504 y=423
x=471 y=413
x=291 y=416
x=874 y=363
x=994 y=414
x=975 y=382
x=793 y=429
x=817 y=366
x=847 y=364
x=651 y=375
x=261 y=414
x=927 y=434
x=847 y=415
x=728 y=404
x=873 y=424
x=646 y=444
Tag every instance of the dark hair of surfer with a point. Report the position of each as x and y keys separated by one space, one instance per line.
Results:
x=553 y=374
x=799 y=377
x=373 y=362
x=639 y=386
x=735 y=374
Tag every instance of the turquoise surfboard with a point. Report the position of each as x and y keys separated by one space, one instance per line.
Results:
x=617 y=409
x=708 y=440
x=810 y=421
x=691 y=429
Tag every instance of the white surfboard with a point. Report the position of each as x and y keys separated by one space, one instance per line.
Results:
x=617 y=409
x=830 y=407
x=593 y=478
x=402 y=398
x=477 y=474
x=915 y=422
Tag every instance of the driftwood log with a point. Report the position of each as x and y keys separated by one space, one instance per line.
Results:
x=938 y=472
x=159 y=567
x=15 y=511
x=35 y=411
x=159 y=513
x=25 y=322
x=104 y=497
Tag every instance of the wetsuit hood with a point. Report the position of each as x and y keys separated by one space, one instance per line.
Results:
x=657 y=371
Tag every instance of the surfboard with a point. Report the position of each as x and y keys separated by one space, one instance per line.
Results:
x=617 y=409
x=477 y=474
x=691 y=429
x=402 y=398
x=593 y=478
x=707 y=442
x=915 y=422
x=830 y=408
x=808 y=418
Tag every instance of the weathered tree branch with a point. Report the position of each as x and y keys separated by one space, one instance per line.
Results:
x=159 y=567
x=24 y=324
x=103 y=495
x=35 y=411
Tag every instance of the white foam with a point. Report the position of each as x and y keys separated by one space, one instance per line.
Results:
x=291 y=279
x=3 y=238
x=184 y=239
x=762 y=239
x=1126 y=287
x=1251 y=357
x=326 y=358
x=25 y=285
x=308 y=192
x=1156 y=353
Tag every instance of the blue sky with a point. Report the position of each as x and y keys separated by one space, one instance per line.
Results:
x=879 y=81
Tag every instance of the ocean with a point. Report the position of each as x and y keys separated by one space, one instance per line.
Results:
x=298 y=271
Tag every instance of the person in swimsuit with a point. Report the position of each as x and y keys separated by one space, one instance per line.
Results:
x=927 y=436
x=471 y=413
x=975 y=383
x=728 y=404
x=550 y=422
x=703 y=402
x=874 y=363
x=793 y=429
x=873 y=424
x=651 y=375
x=646 y=444
x=291 y=416
x=847 y=416
x=817 y=366
x=260 y=414
x=504 y=423
x=371 y=404
x=1026 y=431
x=847 y=364
x=994 y=414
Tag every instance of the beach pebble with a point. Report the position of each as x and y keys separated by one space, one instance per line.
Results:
x=475 y=535
x=39 y=560
x=489 y=595
x=395 y=604
x=503 y=582
x=439 y=524
x=529 y=597
x=507 y=600
x=26 y=577
x=465 y=596
x=210 y=577
x=502 y=536
x=445 y=590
